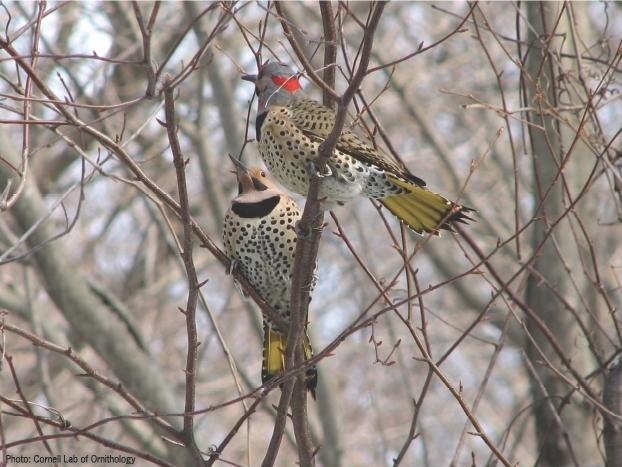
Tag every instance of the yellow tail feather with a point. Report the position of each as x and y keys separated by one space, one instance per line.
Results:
x=273 y=364
x=273 y=353
x=421 y=209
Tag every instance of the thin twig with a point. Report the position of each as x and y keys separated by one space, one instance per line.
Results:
x=92 y=373
x=140 y=175
x=9 y=202
x=145 y=31
x=215 y=453
x=74 y=433
x=458 y=29
x=27 y=405
x=310 y=71
x=193 y=281
x=330 y=51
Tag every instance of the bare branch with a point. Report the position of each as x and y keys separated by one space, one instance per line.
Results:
x=193 y=281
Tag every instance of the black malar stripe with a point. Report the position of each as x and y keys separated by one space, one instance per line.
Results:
x=258 y=122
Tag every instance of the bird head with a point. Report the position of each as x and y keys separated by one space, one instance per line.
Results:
x=253 y=184
x=275 y=84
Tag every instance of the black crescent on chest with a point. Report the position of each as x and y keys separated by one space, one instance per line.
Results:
x=258 y=123
x=254 y=210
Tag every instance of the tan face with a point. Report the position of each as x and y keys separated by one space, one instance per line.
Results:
x=253 y=182
x=260 y=179
x=258 y=173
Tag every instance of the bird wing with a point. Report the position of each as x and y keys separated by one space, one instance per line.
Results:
x=316 y=122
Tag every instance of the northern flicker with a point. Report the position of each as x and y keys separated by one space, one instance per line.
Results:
x=260 y=239
x=290 y=129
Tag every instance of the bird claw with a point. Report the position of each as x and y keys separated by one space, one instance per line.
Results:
x=300 y=232
x=240 y=289
x=310 y=286
x=315 y=172
x=232 y=265
x=314 y=279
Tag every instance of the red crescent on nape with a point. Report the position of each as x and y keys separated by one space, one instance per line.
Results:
x=291 y=84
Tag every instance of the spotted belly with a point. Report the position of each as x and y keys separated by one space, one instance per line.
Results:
x=288 y=153
x=264 y=250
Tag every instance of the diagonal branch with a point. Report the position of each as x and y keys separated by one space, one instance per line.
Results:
x=118 y=150
x=285 y=24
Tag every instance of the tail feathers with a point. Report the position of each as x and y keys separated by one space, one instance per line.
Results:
x=273 y=364
x=273 y=353
x=423 y=210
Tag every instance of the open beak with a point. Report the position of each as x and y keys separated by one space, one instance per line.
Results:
x=245 y=179
x=238 y=165
x=251 y=78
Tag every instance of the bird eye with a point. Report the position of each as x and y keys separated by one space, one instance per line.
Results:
x=262 y=173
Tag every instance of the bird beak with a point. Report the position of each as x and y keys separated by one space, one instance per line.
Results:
x=251 y=78
x=239 y=167
x=245 y=179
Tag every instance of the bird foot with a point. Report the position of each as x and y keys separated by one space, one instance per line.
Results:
x=311 y=285
x=313 y=170
x=301 y=233
x=240 y=289
x=232 y=265
x=314 y=280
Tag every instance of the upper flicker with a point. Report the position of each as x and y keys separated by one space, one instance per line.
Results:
x=259 y=238
x=290 y=129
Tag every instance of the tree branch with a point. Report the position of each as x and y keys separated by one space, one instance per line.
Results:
x=193 y=282
x=311 y=224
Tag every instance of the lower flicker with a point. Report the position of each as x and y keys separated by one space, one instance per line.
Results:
x=259 y=237
x=290 y=129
